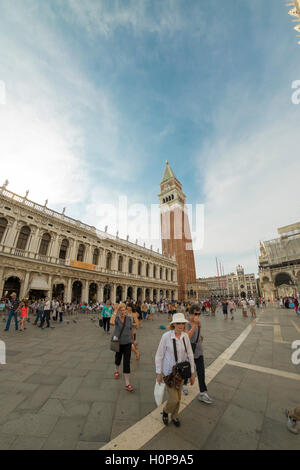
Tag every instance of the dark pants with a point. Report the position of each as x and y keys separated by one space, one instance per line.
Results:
x=106 y=324
x=200 y=369
x=46 y=316
x=125 y=349
x=11 y=314
x=38 y=317
x=60 y=316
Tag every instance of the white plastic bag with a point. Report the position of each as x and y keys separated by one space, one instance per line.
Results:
x=159 y=391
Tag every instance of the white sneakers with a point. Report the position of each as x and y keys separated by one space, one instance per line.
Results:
x=202 y=397
x=205 y=398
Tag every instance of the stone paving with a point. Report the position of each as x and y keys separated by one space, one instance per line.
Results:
x=57 y=389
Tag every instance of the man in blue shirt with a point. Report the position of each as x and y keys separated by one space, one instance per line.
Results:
x=13 y=311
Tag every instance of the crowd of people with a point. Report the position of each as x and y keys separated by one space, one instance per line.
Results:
x=180 y=352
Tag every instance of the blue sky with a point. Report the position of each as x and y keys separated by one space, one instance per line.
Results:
x=100 y=93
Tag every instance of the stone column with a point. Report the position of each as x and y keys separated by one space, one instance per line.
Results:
x=49 y=293
x=11 y=233
x=143 y=293
x=54 y=251
x=89 y=254
x=73 y=249
x=25 y=286
x=113 y=289
x=34 y=243
x=1 y=280
x=68 y=297
x=100 y=293
x=151 y=294
x=134 y=293
x=85 y=291
x=124 y=295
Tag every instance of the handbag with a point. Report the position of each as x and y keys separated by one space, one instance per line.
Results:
x=183 y=368
x=115 y=343
x=101 y=322
x=195 y=344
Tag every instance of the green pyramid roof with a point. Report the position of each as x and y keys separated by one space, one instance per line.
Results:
x=168 y=173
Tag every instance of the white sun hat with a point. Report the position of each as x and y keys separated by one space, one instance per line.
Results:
x=178 y=318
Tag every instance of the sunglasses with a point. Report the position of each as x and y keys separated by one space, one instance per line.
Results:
x=180 y=323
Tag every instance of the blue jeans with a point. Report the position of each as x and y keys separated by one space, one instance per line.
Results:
x=11 y=314
x=39 y=316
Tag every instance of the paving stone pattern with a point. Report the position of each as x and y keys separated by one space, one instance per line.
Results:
x=57 y=390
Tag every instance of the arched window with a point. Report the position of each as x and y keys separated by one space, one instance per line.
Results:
x=96 y=256
x=45 y=242
x=167 y=274
x=160 y=273
x=147 y=270
x=140 y=268
x=130 y=265
x=23 y=238
x=172 y=275
x=63 y=249
x=108 y=260
x=120 y=263
x=154 y=272
x=3 y=225
x=80 y=253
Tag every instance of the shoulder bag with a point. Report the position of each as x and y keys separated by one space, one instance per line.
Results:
x=183 y=368
x=115 y=344
x=195 y=344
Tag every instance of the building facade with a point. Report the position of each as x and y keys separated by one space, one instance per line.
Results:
x=295 y=13
x=45 y=253
x=234 y=285
x=175 y=230
x=279 y=263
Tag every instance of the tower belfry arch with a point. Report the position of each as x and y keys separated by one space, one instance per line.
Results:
x=175 y=229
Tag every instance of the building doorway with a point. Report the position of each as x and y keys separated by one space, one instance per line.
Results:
x=119 y=294
x=35 y=294
x=77 y=292
x=58 y=292
x=106 y=293
x=93 y=292
x=12 y=284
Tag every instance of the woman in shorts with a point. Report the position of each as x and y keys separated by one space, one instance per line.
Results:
x=24 y=315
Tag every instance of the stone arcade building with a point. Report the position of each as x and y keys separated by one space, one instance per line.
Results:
x=279 y=263
x=43 y=252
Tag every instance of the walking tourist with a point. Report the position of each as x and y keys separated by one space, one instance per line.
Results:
x=175 y=340
x=231 y=308
x=252 y=308
x=131 y=312
x=124 y=331
x=106 y=314
x=46 y=314
x=225 y=309
x=40 y=312
x=24 y=315
x=244 y=307
x=194 y=332
x=13 y=311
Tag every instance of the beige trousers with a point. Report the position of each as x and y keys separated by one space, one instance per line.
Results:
x=173 y=403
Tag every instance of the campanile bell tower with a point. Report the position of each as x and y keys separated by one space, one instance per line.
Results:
x=175 y=229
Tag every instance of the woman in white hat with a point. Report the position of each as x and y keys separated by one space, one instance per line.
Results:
x=165 y=361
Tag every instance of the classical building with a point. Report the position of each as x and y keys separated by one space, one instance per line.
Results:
x=175 y=230
x=233 y=285
x=43 y=252
x=279 y=263
x=295 y=13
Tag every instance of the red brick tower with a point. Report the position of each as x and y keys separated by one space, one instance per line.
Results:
x=175 y=229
